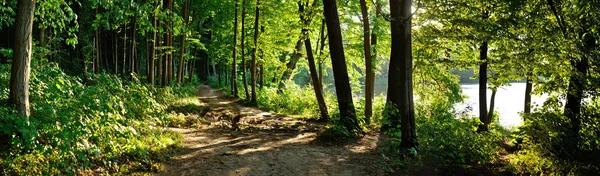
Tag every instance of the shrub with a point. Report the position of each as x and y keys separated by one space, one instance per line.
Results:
x=549 y=146
x=75 y=127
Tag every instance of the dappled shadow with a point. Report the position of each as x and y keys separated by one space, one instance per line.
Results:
x=223 y=152
x=266 y=144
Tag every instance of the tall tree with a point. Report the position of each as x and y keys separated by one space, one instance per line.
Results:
x=370 y=75
x=19 y=76
x=243 y=47
x=233 y=64
x=483 y=58
x=254 y=50
x=152 y=54
x=306 y=18
x=181 y=51
x=340 y=72
x=400 y=104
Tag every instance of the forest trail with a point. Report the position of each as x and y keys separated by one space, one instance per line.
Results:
x=265 y=144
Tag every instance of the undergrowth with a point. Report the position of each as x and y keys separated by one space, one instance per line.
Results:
x=109 y=125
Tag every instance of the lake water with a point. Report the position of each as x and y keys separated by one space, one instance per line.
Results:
x=510 y=101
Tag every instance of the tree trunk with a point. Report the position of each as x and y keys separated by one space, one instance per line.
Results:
x=340 y=72
x=243 y=47
x=124 y=50
x=483 y=87
x=528 y=89
x=321 y=54
x=262 y=75
x=399 y=106
x=575 y=96
x=315 y=79
x=483 y=58
x=114 y=53
x=160 y=53
x=254 y=50
x=181 y=51
x=492 y=101
x=19 y=76
x=133 y=47
x=233 y=64
x=368 y=63
x=150 y=60
x=191 y=77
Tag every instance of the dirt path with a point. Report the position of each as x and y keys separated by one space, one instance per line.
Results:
x=265 y=144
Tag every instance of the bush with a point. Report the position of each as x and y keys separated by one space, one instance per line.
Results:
x=74 y=127
x=549 y=147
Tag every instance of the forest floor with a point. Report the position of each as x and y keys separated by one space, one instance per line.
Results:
x=234 y=139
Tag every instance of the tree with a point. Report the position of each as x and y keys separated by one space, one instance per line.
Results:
x=340 y=72
x=254 y=50
x=400 y=104
x=370 y=75
x=233 y=64
x=181 y=51
x=19 y=76
x=306 y=18
x=243 y=47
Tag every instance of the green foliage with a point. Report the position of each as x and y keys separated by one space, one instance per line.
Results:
x=549 y=146
x=294 y=100
x=75 y=127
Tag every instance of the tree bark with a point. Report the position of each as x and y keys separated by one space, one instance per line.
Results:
x=340 y=72
x=368 y=62
x=492 y=101
x=399 y=106
x=150 y=60
x=233 y=64
x=528 y=89
x=483 y=87
x=483 y=58
x=181 y=51
x=311 y=63
x=19 y=77
x=254 y=50
x=243 y=47
x=170 y=55
x=321 y=54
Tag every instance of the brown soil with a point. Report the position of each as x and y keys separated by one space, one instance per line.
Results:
x=241 y=140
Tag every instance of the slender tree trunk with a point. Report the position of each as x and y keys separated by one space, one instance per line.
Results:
x=133 y=47
x=483 y=50
x=152 y=53
x=181 y=51
x=399 y=106
x=340 y=72
x=528 y=89
x=262 y=76
x=243 y=47
x=492 y=101
x=483 y=87
x=114 y=53
x=123 y=67
x=368 y=62
x=190 y=78
x=159 y=68
x=19 y=76
x=170 y=55
x=315 y=79
x=233 y=64
x=321 y=54
x=254 y=50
